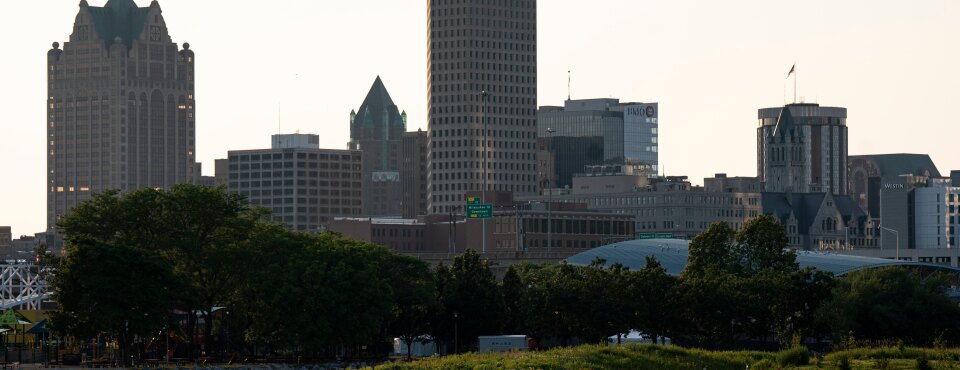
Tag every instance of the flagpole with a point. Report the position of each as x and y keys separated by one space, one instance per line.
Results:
x=795 y=74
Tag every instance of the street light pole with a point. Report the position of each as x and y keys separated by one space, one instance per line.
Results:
x=895 y=235
x=456 y=334
x=483 y=193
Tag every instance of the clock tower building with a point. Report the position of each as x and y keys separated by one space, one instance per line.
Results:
x=120 y=108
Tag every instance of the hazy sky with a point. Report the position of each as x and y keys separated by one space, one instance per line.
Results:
x=710 y=64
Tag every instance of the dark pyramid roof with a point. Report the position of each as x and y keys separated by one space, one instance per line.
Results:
x=119 y=18
x=903 y=164
x=377 y=108
x=785 y=123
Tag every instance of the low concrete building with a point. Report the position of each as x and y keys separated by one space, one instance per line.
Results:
x=304 y=186
x=6 y=239
x=518 y=228
x=662 y=207
x=24 y=248
x=401 y=235
x=720 y=183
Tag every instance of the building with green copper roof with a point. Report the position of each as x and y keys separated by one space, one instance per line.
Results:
x=377 y=129
x=121 y=106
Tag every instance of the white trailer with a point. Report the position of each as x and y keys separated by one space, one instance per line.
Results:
x=503 y=343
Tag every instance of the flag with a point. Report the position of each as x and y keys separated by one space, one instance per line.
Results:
x=792 y=69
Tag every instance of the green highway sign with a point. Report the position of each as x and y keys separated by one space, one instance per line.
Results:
x=473 y=200
x=655 y=236
x=479 y=210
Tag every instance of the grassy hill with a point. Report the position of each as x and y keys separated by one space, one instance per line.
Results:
x=646 y=356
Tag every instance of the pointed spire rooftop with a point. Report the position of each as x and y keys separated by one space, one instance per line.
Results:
x=377 y=97
x=376 y=104
x=377 y=110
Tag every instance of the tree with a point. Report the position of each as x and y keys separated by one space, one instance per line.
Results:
x=795 y=307
x=513 y=292
x=711 y=250
x=748 y=285
x=604 y=307
x=440 y=322
x=892 y=303
x=319 y=291
x=411 y=295
x=540 y=303
x=116 y=289
x=202 y=231
x=761 y=244
x=656 y=294
x=474 y=296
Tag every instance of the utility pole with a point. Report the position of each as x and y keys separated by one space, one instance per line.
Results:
x=518 y=229
x=550 y=155
x=483 y=193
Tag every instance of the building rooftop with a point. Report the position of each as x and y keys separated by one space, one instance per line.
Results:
x=806 y=206
x=672 y=254
x=118 y=19
x=381 y=221
x=377 y=109
x=902 y=164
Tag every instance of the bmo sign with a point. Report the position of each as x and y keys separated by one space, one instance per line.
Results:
x=645 y=113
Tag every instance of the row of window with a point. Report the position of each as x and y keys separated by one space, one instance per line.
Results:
x=289 y=183
x=354 y=157
x=305 y=201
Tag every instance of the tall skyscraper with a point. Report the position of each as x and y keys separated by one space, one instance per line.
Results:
x=802 y=148
x=482 y=73
x=120 y=110
x=377 y=129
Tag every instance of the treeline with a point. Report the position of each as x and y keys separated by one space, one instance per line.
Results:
x=202 y=263
x=738 y=289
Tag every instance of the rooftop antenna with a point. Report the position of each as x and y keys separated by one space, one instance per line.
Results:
x=568 y=85
x=279 y=129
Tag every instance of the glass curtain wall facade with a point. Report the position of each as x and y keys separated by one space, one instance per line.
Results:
x=626 y=132
x=571 y=156
x=640 y=137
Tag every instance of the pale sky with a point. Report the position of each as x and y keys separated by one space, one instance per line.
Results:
x=710 y=64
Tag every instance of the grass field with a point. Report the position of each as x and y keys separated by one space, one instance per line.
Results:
x=658 y=357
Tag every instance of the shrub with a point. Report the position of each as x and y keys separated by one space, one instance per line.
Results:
x=923 y=364
x=843 y=363
x=764 y=364
x=798 y=356
x=882 y=363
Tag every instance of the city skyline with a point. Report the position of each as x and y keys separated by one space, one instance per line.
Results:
x=887 y=64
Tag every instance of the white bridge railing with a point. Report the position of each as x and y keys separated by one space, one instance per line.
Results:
x=23 y=286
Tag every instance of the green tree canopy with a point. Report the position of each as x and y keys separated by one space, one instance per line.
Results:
x=472 y=292
x=892 y=303
x=202 y=231
x=105 y=288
